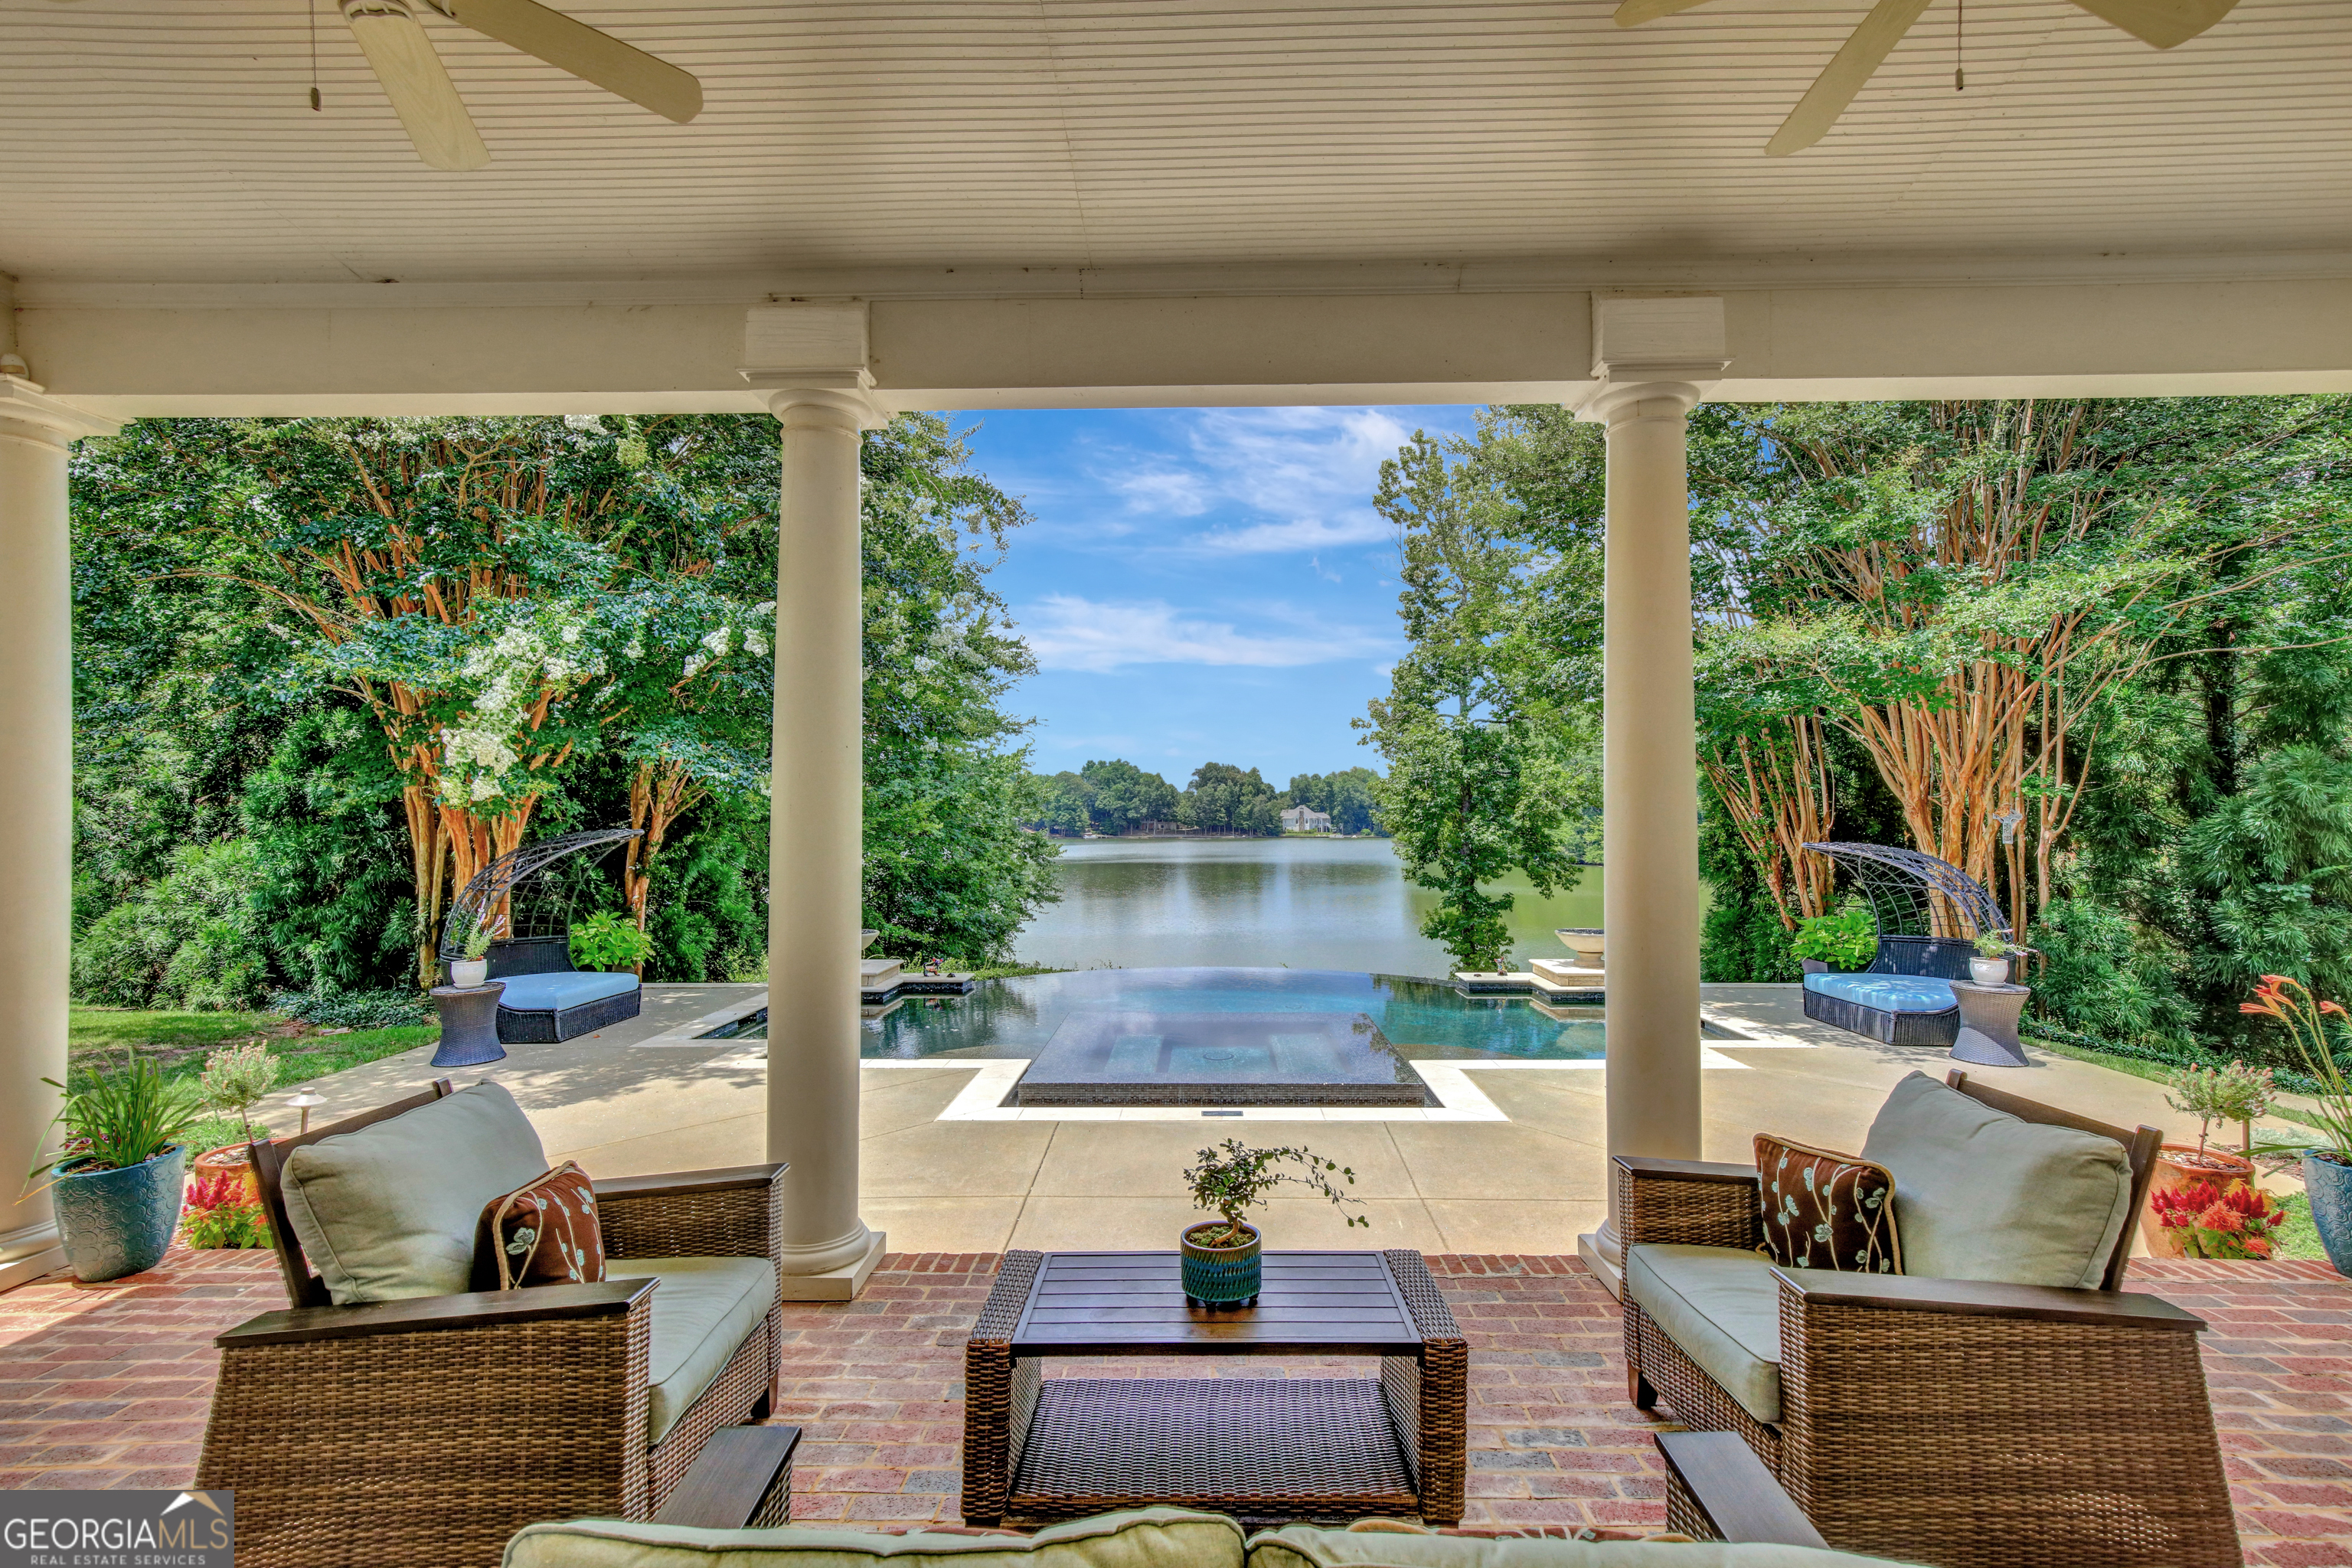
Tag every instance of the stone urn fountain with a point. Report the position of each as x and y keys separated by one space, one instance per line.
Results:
x=1585 y=972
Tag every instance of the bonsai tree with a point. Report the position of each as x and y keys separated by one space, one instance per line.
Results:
x=236 y=1078
x=1233 y=1179
x=1846 y=940
x=2234 y=1093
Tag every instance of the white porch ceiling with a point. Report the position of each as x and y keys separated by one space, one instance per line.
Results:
x=170 y=142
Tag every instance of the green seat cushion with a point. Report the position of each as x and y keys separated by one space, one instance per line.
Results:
x=1305 y=1546
x=1981 y=1194
x=702 y=1313
x=1723 y=1307
x=1147 y=1538
x=389 y=1211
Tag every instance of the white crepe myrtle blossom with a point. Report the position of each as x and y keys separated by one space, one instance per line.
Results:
x=537 y=653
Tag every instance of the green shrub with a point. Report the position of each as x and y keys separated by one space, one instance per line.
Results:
x=187 y=942
x=355 y=1009
x=2094 y=980
x=1846 y=940
x=604 y=940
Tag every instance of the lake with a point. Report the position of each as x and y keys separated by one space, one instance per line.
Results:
x=1307 y=903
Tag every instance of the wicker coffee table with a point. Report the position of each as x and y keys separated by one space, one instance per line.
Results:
x=1036 y=1449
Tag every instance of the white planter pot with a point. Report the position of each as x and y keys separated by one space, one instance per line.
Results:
x=1989 y=971
x=466 y=973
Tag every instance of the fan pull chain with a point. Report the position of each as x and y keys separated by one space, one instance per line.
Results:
x=1959 y=27
x=311 y=7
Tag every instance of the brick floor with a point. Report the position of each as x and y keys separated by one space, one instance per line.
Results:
x=107 y=1386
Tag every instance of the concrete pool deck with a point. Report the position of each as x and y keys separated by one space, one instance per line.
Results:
x=644 y=1097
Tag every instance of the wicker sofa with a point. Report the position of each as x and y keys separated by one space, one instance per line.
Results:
x=2001 y=1404
x=394 y=1416
x=546 y=1000
x=1904 y=998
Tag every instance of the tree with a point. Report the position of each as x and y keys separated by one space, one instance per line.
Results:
x=1125 y=796
x=1222 y=799
x=1485 y=709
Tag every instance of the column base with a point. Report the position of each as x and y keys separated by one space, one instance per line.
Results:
x=1604 y=1253
x=29 y=1254
x=841 y=1284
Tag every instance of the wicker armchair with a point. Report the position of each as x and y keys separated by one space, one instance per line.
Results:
x=1957 y=1423
x=429 y=1430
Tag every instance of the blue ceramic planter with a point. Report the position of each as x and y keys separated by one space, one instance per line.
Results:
x=2330 y=1186
x=1221 y=1276
x=115 y=1223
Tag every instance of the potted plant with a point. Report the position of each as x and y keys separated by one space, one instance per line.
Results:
x=116 y=1180
x=1991 y=965
x=2234 y=1093
x=471 y=969
x=2326 y=1170
x=1844 y=943
x=234 y=1079
x=1221 y=1256
x=2208 y=1219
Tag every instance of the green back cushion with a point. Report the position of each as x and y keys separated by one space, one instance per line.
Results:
x=1147 y=1538
x=1980 y=1195
x=1303 y=1546
x=389 y=1211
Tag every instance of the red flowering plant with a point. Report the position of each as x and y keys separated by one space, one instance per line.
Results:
x=2306 y=1020
x=2218 y=1221
x=217 y=1214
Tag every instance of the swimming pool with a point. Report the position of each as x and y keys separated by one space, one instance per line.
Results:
x=1425 y=1018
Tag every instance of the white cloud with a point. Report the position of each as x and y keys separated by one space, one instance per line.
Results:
x=1067 y=632
x=1305 y=476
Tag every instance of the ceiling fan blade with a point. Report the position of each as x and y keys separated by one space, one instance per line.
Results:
x=2163 y=23
x=1633 y=13
x=421 y=91
x=1844 y=76
x=592 y=56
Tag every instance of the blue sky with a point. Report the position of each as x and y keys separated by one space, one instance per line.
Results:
x=1202 y=583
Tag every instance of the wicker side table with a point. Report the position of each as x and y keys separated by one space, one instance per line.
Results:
x=1989 y=1015
x=469 y=1025
x=1265 y=1450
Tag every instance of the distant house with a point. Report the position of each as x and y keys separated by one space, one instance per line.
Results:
x=1305 y=819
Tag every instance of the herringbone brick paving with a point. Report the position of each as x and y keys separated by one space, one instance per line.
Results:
x=108 y=1387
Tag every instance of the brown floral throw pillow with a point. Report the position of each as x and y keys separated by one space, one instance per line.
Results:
x=1824 y=1210
x=543 y=1233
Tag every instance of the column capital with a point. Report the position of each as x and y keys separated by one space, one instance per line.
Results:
x=811 y=356
x=1680 y=388
x=1653 y=348
x=29 y=414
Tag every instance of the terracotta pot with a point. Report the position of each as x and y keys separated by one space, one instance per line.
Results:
x=2180 y=1165
x=235 y=1160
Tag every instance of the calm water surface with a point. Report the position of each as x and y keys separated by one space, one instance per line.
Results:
x=1307 y=903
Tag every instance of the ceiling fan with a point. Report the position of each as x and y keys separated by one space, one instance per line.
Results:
x=2163 y=23
x=426 y=100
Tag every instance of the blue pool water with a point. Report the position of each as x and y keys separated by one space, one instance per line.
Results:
x=1017 y=1017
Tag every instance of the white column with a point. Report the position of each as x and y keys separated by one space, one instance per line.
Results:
x=1655 y=358
x=36 y=830
x=815 y=830
x=1649 y=786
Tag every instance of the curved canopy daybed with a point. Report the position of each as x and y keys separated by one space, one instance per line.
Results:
x=545 y=1000
x=1929 y=914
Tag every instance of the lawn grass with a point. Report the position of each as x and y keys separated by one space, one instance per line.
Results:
x=99 y=1037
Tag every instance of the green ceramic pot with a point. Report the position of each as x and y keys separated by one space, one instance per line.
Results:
x=119 y=1222
x=1221 y=1275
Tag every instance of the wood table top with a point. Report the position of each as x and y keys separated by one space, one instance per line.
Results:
x=1123 y=1303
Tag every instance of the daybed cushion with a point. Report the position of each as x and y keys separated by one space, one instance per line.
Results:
x=1304 y=1546
x=1146 y=1538
x=1887 y=993
x=556 y=992
x=1723 y=1307
x=704 y=1309
x=390 y=1212
x=1981 y=1194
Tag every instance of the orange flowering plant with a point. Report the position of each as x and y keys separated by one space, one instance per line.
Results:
x=2232 y=1221
x=216 y=1214
x=2306 y=1021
